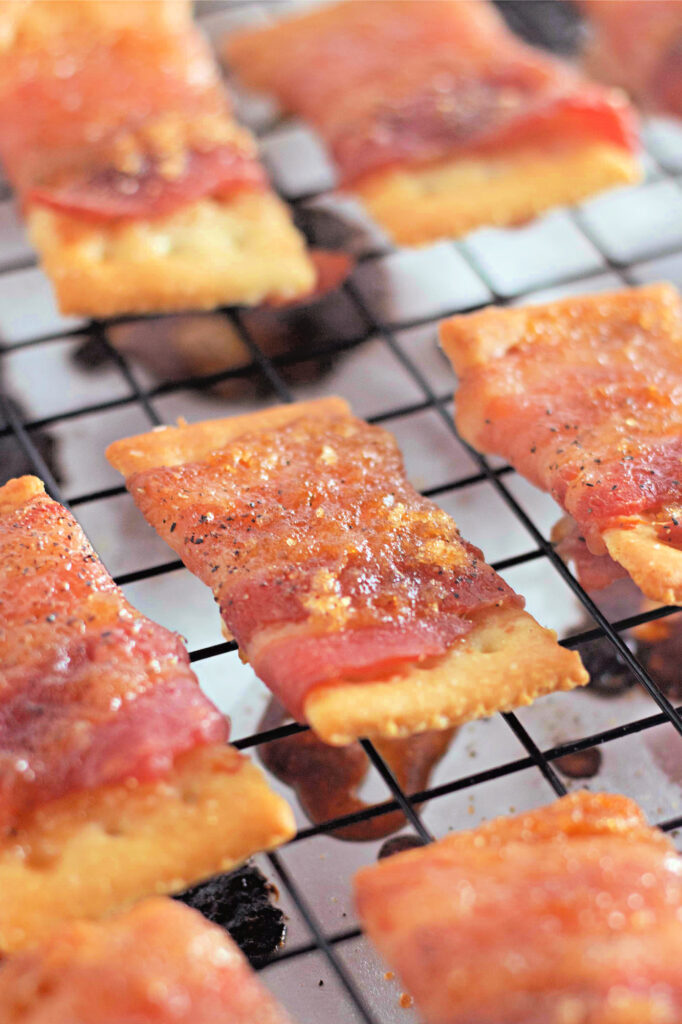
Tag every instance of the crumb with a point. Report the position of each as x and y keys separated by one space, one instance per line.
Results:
x=320 y=983
x=405 y=1000
x=389 y=975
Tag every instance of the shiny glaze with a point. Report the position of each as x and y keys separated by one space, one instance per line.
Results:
x=244 y=903
x=326 y=779
x=91 y=691
x=325 y=561
x=413 y=82
x=607 y=442
x=569 y=913
x=161 y=963
x=120 y=122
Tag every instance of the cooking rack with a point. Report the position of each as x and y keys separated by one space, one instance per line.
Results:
x=628 y=236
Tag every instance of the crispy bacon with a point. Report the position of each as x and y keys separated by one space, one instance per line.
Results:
x=325 y=562
x=161 y=963
x=639 y=48
x=91 y=691
x=128 y=121
x=569 y=913
x=405 y=82
x=583 y=396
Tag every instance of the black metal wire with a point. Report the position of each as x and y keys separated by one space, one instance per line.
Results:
x=271 y=371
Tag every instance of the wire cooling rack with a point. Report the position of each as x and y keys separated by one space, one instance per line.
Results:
x=69 y=387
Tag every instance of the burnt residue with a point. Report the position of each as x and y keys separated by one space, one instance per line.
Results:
x=657 y=645
x=208 y=350
x=243 y=903
x=324 y=228
x=326 y=779
x=609 y=675
x=659 y=648
x=92 y=353
x=399 y=844
x=581 y=764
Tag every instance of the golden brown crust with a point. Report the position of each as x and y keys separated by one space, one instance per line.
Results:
x=18 y=491
x=506 y=661
x=474 y=339
x=191 y=442
x=421 y=205
x=36 y=22
x=208 y=253
x=92 y=853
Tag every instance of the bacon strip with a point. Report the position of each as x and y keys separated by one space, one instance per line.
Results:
x=569 y=913
x=91 y=692
x=595 y=572
x=410 y=83
x=116 y=119
x=160 y=963
x=641 y=51
x=607 y=443
x=327 y=565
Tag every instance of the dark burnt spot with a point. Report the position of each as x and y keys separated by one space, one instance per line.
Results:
x=242 y=902
x=659 y=649
x=582 y=764
x=609 y=675
x=398 y=844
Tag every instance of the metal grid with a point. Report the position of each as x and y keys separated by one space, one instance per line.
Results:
x=389 y=315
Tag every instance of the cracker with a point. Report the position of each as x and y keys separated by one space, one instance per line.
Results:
x=565 y=914
x=96 y=850
x=192 y=442
x=474 y=340
x=207 y=254
x=91 y=853
x=418 y=205
x=656 y=567
x=388 y=55
x=507 y=660
x=159 y=963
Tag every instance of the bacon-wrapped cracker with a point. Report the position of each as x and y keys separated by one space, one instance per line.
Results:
x=140 y=191
x=638 y=47
x=354 y=598
x=437 y=115
x=584 y=397
x=115 y=780
x=160 y=963
x=571 y=914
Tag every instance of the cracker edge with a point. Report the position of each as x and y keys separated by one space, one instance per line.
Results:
x=656 y=567
x=192 y=442
x=506 y=661
x=88 y=283
x=472 y=340
x=420 y=698
x=92 y=853
x=18 y=491
x=421 y=205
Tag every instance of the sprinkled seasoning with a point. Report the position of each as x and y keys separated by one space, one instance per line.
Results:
x=341 y=546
